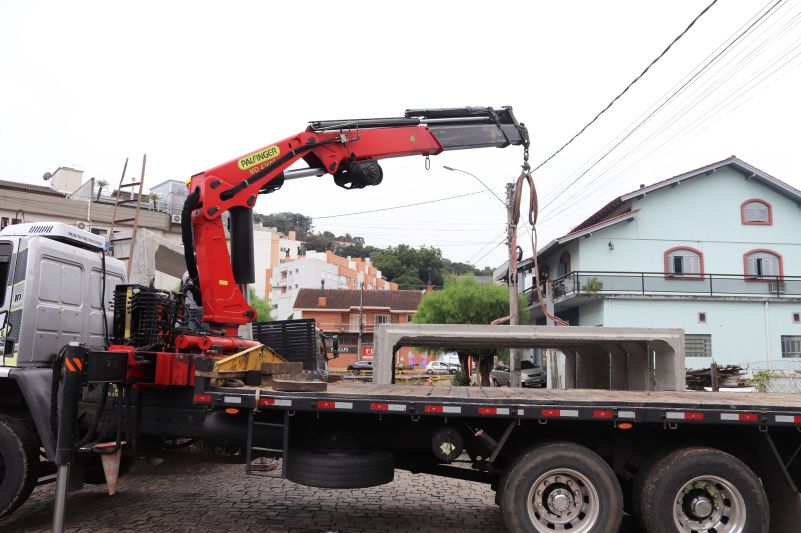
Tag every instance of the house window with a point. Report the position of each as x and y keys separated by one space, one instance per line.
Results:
x=763 y=264
x=791 y=346
x=702 y=318
x=3 y=222
x=796 y=318
x=381 y=319
x=756 y=211
x=698 y=345
x=563 y=266
x=683 y=262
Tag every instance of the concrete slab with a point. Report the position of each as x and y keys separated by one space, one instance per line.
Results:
x=595 y=357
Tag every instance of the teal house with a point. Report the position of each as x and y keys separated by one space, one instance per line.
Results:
x=715 y=251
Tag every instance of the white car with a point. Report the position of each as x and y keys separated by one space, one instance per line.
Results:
x=439 y=366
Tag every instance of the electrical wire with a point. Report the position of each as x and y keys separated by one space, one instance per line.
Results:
x=755 y=21
x=629 y=86
x=662 y=105
x=708 y=114
x=400 y=206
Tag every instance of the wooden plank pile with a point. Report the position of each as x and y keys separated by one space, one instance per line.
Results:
x=729 y=376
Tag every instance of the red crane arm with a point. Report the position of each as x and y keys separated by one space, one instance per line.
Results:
x=348 y=150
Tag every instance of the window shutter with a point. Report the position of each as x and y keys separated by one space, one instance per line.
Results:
x=752 y=270
x=692 y=264
x=770 y=265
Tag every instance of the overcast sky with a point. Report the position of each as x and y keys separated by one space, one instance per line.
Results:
x=195 y=84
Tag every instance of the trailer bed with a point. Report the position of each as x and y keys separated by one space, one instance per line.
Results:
x=764 y=409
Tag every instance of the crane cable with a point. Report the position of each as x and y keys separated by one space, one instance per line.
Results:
x=525 y=176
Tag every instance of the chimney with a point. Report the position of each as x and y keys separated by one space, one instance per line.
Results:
x=322 y=301
x=292 y=235
x=642 y=185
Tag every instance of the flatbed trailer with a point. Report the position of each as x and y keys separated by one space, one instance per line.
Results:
x=646 y=440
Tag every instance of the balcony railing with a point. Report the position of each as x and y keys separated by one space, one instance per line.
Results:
x=588 y=283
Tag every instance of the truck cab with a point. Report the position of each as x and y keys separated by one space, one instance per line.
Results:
x=52 y=277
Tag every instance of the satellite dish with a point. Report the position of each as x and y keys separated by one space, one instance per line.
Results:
x=47 y=176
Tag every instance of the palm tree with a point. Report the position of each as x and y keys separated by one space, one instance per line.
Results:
x=153 y=197
x=101 y=183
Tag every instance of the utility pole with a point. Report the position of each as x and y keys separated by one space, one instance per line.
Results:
x=361 y=316
x=514 y=307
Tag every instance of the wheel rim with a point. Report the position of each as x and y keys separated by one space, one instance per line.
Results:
x=563 y=499
x=709 y=503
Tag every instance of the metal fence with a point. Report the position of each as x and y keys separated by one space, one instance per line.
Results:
x=587 y=283
x=776 y=375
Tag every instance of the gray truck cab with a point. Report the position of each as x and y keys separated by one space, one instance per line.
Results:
x=52 y=277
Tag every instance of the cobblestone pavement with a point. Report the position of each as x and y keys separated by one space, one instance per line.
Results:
x=178 y=497
x=182 y=497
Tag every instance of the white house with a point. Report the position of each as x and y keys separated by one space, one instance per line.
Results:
x=715 y=251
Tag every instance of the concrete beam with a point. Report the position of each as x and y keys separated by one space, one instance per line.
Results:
x=586 y=343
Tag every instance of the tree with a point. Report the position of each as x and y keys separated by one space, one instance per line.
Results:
x=286 y=222
x=261 y=306
x=154 y=198
x=101 y=184
x=465 y=301
x=407 y=263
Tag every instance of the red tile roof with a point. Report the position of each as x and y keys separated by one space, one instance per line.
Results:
x=347 y=298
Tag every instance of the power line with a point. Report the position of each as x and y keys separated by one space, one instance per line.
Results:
x=702 y=66
x=489 y=252
x=400 y=206
x=624 y=91
x=662 y=105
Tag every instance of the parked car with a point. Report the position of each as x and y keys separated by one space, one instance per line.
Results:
x=455 y=368
x=360 y=366
x=439 y=366
x=530 y=375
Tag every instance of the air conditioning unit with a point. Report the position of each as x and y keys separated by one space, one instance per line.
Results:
x=176 y=219
x=82 y=224
x=777 y=287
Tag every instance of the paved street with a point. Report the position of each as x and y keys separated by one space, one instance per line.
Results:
x=180 y=497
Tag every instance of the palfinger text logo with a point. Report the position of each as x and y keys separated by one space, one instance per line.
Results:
x=256 y=158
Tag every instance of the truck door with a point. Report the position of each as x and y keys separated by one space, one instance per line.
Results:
x=6 y=249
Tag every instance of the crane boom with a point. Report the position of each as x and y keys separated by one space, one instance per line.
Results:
x=347 y=149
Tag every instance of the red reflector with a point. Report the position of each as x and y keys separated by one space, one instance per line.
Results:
x=602 y=414
x=550 y=412
x=487 y=411
x=749 y=417
x=797 y=419
x=266 y=401
x=326 y=405
x=693 y=416
x=202 y=398
x=433 y=409
x=379 y=406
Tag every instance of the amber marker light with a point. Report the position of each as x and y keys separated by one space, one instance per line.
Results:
x=234 y=410
x=621 y=425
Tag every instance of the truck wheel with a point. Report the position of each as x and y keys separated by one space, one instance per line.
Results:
x=19 y=461
x=340 y=470
x=561 y=486
x=702 y=489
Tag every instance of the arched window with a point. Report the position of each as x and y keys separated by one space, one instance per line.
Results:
x=757 y=212
x=563 y=266
x=683 y=262
x=763 y=265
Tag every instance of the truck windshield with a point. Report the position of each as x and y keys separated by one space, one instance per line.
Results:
x=5 y=261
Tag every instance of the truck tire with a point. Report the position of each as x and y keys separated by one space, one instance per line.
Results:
x=19 y=464
x=561 y=486
x=702 y=489
x=340 y=470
